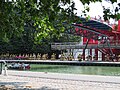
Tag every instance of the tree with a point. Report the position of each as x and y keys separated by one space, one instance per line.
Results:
x=114 y=13
x=46 y=17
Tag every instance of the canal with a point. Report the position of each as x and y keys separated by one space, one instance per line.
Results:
x=89 y=70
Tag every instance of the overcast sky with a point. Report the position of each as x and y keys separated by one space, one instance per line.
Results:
x=96 y=9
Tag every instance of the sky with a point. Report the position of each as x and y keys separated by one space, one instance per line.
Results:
x=96 y=9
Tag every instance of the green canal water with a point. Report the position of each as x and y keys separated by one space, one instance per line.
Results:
x=88 y=70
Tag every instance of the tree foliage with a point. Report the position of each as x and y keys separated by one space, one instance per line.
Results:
x=114 y=13
x=44 y=16
x=26 y=23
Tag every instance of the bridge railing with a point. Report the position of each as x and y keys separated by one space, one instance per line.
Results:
x=60 y=46
x=115 y=42
x=65 y=43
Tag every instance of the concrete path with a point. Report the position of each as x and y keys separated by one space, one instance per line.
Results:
x=27 y=80
x=93 y=78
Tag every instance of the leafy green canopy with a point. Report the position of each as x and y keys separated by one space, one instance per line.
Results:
x=44 y=17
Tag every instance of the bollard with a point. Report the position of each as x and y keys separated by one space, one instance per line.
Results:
x=5 y=68
x=0 y=68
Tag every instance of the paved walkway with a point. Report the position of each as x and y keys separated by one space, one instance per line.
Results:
x=54 y=81
x=93 y=78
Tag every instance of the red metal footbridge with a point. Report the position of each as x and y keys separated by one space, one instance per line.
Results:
x=97 y=35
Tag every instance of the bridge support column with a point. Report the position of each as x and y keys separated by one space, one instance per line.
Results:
x=91 y=53
x=96 y=53
x=85 y=47
x=83 y=55
x=103 y=57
